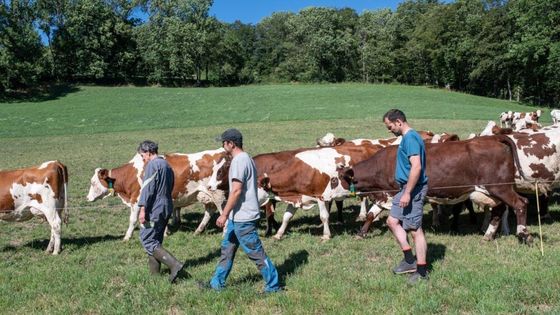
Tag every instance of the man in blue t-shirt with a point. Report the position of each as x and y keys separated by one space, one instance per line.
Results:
x=407 y=209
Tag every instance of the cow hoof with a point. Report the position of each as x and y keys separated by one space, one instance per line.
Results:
x=525 y=239
x=487 y=238
x=359 y=237
x=277 y=237
x=325 y=238
x=197 y=232
x=360 y=219
x=126 y=238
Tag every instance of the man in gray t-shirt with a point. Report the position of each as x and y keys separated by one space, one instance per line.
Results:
x=241 y=214
x=243 y=170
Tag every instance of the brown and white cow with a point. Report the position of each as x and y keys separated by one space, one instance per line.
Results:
x=36 y=191
x=302 y=178
x=329 y=140
x=192 y=180
x=481 y=169
x=305 y=177
x=526 y=120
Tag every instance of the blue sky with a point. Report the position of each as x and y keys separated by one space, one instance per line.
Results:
x=253 y=11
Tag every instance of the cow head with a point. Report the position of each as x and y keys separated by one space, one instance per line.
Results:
x=220 y=170
x=329 y=140
x=99 y=185
x=346 y=176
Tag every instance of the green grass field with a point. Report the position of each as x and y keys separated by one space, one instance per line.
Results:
x=98 y=273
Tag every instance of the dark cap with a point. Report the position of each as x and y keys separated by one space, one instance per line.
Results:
x=231 y=135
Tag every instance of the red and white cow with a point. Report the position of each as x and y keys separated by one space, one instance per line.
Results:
x=305 y=177
x=192 y=176
x=481 y=169
x=36 y=191
x=526 y=120
x=506 y=119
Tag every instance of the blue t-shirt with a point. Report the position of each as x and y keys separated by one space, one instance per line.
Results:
x=411 y=144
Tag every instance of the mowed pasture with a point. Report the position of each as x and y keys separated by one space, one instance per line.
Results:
x=98 y=273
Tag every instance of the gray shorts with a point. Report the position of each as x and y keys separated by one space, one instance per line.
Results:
x=411 y=216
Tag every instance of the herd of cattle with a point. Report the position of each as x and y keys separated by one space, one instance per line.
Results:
x=489 y=169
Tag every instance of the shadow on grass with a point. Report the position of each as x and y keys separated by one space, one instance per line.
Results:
x=285 y=270
x=210 y=257
x=79 y=242
x=39 y=95
x=435 y=252
x=311 y=223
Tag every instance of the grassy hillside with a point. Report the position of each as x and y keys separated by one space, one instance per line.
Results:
x=97 y=273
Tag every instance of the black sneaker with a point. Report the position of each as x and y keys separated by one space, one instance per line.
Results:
x=404 y=267
x=417 y=278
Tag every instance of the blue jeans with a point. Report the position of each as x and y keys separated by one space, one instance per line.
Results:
x=244 y=234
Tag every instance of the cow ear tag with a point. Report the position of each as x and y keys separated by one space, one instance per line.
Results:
x=352 y=190
x=111 y=189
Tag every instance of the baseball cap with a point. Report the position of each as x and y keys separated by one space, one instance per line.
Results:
x=231 y=134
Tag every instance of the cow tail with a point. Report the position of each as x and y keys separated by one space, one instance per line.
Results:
x=507 y=140
x=64 y=171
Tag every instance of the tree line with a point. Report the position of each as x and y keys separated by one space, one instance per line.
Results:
x=500 y=48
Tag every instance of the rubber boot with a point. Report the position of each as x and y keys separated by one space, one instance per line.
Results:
x=154 y=265
x=171 y=262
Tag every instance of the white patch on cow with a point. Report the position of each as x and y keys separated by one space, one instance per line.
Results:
x=323 y=160
x=194 y=157
x=25 y=206
x=376 y=141
x=436 y=138
x=551 y=162
x=213 y=182
x=138 y=164
x=488 y=129
x=471 y=136
x=326 y=140
x=490 y=231
x=96 y=189
x=45 y=165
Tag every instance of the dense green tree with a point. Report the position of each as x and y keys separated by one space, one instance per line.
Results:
x=377 y=36
x=20 y=45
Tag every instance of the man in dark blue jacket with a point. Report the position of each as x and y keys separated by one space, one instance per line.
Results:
x=156 y=206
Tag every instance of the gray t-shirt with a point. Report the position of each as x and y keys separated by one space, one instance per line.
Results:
x=247 y=207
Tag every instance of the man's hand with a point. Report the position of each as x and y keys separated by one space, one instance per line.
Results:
x=221 y=221
x=405 y=200
x=142 y=215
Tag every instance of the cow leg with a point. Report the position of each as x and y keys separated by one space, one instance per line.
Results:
x=370 y=218
x=435 y=214
x=472 y=215
x=505 y=223
x=324 y=215
x=487 y=216
x=134 y=210
x=363 y=210
x=175 y=221
x=209 y=210
x=55 y=222
x=494 y=222
x=290 y=211
x=270 y=220
x=456 y=209
x=512 y=199
x=543 y=203
x=339 y=207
